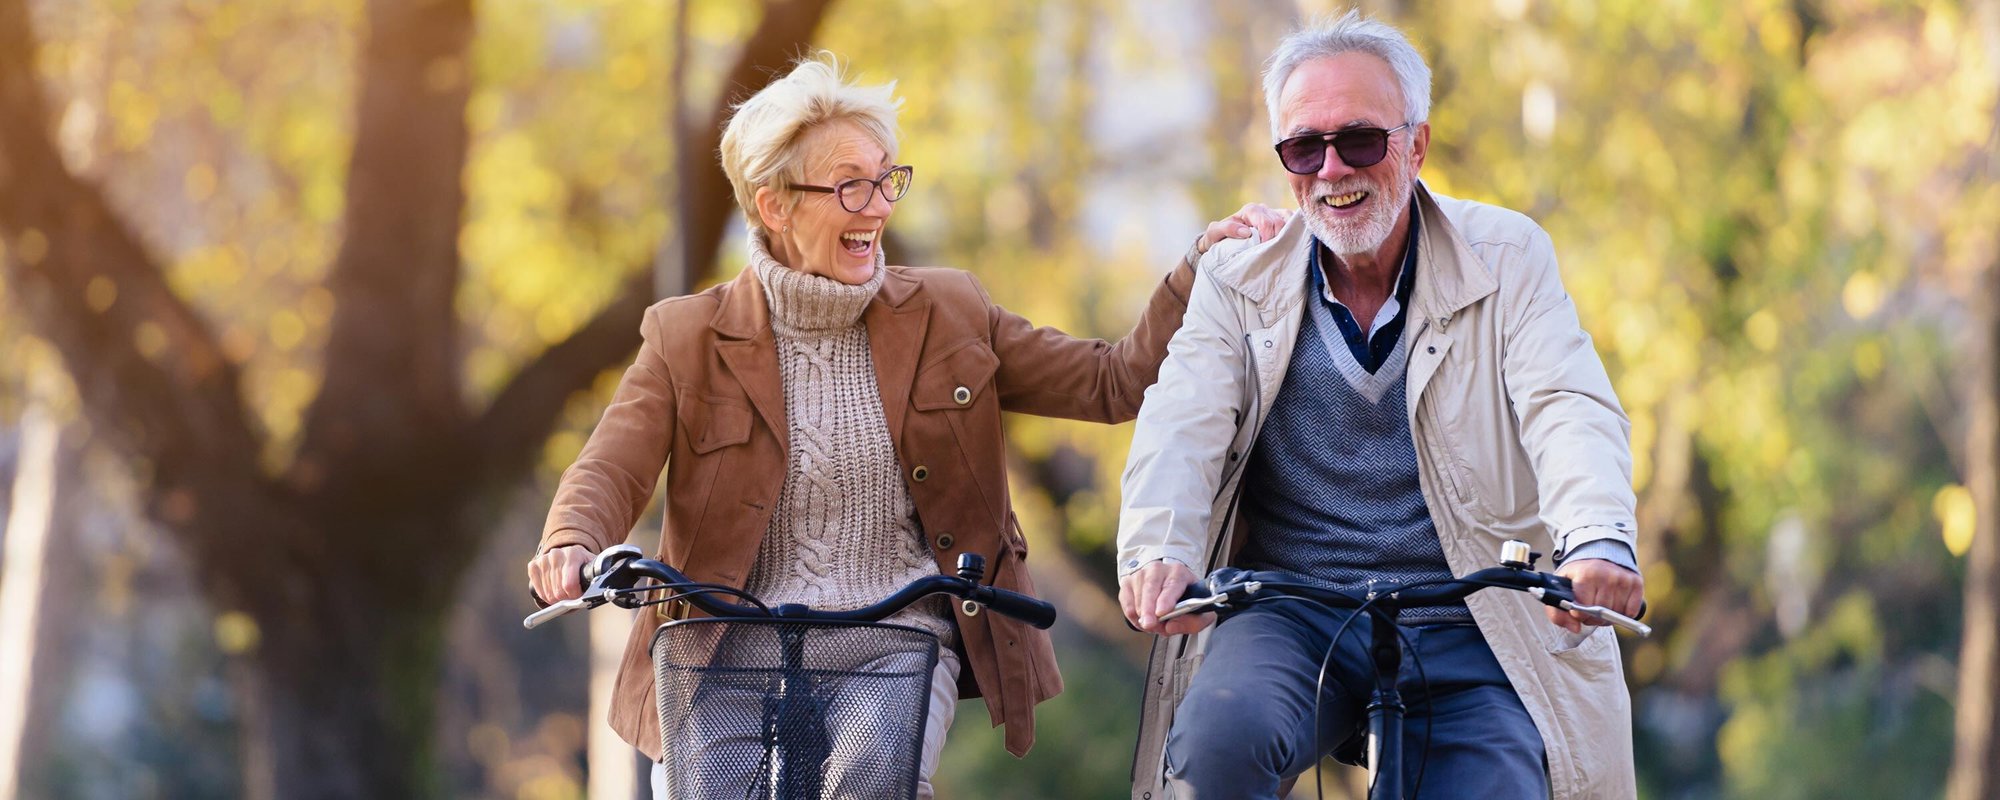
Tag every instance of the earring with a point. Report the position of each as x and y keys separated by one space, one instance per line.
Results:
x=786 y=229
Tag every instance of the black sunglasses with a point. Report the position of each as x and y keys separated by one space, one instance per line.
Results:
x=1358 y=147
x=855 y=194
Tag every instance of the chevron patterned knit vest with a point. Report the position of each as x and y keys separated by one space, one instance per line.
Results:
x=1332 y=492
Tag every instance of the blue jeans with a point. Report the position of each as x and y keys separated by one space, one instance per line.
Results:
x=1246 y=723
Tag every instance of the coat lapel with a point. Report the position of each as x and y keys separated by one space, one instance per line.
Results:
x=896 y=320
x=745 y=344
x=1449 y=278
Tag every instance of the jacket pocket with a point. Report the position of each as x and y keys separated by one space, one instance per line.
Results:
x=1578 y=648
x=711 y=423
x=956 y=379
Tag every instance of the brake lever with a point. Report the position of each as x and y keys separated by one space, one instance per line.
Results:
x=1640 y=629
x=554 y=610
x=1195 y=606
x=1218 y=598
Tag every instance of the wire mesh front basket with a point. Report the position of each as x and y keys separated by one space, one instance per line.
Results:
x=787 y=710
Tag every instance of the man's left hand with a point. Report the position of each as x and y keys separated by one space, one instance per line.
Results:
x=1599 y=583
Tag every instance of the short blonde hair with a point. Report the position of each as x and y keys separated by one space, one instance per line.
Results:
x=760 y=145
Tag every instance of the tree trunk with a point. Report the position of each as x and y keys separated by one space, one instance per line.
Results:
x=348 y=561
x=37 y=574
x=1975 y=771
x=343 y=708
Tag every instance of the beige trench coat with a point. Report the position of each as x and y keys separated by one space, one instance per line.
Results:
x=1518 y=436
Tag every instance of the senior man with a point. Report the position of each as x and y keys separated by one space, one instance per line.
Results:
x=1386 y=390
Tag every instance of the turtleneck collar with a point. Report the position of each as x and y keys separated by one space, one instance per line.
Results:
x=804 y=305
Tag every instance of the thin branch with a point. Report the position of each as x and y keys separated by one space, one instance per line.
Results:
x=524 y=413
x=670 y=276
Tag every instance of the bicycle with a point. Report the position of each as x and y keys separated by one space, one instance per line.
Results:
x=788 y=702
x=1230 y=587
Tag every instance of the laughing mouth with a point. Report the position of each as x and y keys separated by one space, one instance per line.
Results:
x=1349 y=200
x=859 y=243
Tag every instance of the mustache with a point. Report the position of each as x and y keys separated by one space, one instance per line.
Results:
x=1322 y=189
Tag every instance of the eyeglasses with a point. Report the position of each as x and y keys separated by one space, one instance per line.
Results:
x=1358 y=147
x=855 y=194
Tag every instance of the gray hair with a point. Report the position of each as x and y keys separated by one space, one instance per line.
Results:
x=1327 y=37
x=761 y=143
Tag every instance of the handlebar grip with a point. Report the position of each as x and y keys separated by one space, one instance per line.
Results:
x=1027 y=609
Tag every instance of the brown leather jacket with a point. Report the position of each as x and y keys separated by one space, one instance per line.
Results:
x=705 y=394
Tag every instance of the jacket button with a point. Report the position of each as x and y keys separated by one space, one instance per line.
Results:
x=961 y=395
x=1233 y=455
x=920 y=473
x=970 y=608
x=1431 y=350
x=944 y=541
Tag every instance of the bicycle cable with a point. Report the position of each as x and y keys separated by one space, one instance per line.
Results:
x=683 y=591
x=1423 y=679
x=1416 y=659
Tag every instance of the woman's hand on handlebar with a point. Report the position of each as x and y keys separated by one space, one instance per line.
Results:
x=1597 y=582
x=557 y=575
x=1152 y=591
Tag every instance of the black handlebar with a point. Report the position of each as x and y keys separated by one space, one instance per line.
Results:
x=1232 y=579
x=1014 y=604
x=1230 y=584
x=614 y=575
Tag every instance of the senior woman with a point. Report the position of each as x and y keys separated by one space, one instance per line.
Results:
x=833 y=424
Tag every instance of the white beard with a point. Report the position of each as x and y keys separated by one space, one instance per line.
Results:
x=1362 y=235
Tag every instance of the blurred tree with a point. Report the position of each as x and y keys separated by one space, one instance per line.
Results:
x=346 y=554
x=1975 y=769
x=1767 y=213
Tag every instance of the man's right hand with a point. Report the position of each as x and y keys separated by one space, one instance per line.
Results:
x=557 y=575
x=1152 y=591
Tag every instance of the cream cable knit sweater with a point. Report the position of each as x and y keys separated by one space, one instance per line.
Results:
x=845 y=532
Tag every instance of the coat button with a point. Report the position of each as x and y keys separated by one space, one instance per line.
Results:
x=920 y=473
x=1431 y=350
x=961 y=395
x=944 y=541
x=970 y=608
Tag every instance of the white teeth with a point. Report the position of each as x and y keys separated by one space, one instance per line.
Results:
x=1345 y=199
x=859 y=237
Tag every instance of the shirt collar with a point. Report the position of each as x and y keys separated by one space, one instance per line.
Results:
x=1406 y=274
